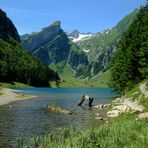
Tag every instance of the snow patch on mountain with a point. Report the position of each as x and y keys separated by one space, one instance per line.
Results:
x=76 y=36
x=82 y=37
x=85 y=50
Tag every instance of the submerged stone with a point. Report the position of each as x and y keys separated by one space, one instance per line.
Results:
x=58 y=109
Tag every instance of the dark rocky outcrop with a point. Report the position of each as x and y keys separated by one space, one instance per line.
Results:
x=74 y=34
x=7 y=28
x=77 y=60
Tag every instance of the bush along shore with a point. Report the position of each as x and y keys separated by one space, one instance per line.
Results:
x=126 y=126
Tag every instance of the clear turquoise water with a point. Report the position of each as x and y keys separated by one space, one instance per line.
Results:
x=30 y=117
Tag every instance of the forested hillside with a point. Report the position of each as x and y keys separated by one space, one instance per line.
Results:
x=130 y=63
x=15 y=63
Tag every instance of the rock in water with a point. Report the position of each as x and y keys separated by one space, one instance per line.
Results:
x=58 y=109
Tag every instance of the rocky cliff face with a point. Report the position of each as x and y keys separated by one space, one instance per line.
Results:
x=36 y=40
x=51 y=45
x=7 y=28
x=77 y=60
x=54 y=51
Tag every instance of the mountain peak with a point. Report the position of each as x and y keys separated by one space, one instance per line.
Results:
x=75 y=33
x=56 y=23
x=76 y=36
x=54 y=27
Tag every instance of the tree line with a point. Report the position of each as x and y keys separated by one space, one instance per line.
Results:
x=130 y=63
x=18 y=65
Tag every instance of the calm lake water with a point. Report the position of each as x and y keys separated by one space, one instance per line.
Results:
x=30 y=117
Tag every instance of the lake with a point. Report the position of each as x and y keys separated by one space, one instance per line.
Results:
x=31 y=117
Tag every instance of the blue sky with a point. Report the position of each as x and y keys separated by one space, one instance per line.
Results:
x=84 y=15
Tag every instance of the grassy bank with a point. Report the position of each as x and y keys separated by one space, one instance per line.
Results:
x=136 y=94
x=68 y=80
x=14 y=85
x=124 y=131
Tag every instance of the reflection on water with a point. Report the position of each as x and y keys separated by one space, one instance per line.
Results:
x=30 y=117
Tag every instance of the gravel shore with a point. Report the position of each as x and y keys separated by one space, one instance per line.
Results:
x=9 y=95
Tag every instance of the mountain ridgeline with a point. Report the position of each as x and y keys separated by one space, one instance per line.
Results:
x=85 y=54
x=50 y=45
x=16 y=64
x=102 y=46
x=53 y=46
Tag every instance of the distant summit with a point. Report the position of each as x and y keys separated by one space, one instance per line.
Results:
x=76 y=36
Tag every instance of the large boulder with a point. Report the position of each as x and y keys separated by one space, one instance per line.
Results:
x=143 y=115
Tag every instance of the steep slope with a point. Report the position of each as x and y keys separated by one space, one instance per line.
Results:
x=15 y=63
x=51 y=45
x=101 y=47
x=7 y=29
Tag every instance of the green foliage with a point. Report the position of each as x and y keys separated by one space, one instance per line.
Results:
x=136 y=94
x=68 y=80
x=123 y=131
x=103 y=41
x=14 y=85
x=18 y=65
x=123 y=25
x=130 y=65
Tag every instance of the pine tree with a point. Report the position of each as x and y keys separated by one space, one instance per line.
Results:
x=130 y=62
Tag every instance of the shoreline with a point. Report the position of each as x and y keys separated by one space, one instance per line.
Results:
x=9 y=96
x=125 y=104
